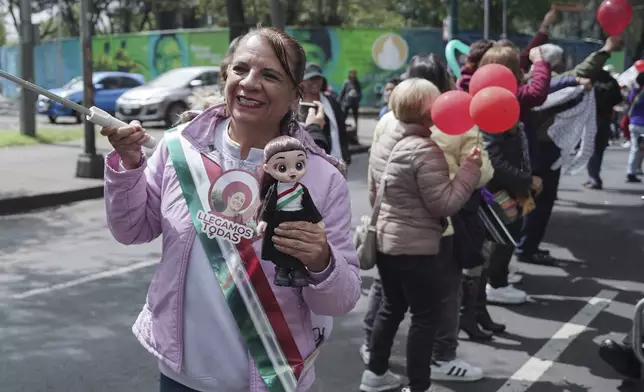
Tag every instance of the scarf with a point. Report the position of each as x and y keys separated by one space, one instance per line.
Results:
x=571 y=127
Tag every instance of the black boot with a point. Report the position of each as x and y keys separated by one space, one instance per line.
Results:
x=482 y=315
x=282 y=277
x=299 y=278
x=468 y=320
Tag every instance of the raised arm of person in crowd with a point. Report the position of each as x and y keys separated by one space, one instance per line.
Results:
x=540 y=38
x=593 y=64
x=535 y=92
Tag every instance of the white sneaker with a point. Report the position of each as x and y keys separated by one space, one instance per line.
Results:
x=507 y=295
x=406 y=389
x=514 y=278
x=456 y=370
x=365 y=354
x=374 y=383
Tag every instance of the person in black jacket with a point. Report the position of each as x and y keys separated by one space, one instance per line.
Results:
x=607 y=95
x=509 y=155
x=350 y=96
x=334 y=129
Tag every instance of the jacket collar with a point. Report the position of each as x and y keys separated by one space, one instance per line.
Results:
x=412 y=130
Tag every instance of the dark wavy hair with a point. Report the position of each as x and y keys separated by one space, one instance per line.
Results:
x=432 y=68
x=477 y=50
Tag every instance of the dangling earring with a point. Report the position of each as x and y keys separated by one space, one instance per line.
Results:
x=293 y=126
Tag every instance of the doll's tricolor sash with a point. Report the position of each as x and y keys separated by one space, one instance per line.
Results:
x=240 y=276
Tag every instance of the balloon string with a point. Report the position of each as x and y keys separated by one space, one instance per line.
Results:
x=478 y=138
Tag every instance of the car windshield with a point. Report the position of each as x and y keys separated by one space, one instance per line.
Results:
x=76 y=83
x=176 y=78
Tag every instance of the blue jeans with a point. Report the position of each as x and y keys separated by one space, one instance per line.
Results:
x=635 y=156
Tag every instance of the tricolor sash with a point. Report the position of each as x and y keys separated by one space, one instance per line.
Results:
x=240 y=276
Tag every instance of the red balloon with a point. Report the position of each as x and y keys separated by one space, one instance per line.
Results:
x=495 y=109
x=451 y=112
x=493 y=75
x=614 y=16
x=639 y=66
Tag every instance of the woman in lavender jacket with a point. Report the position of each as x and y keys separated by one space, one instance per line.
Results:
x=186 y=322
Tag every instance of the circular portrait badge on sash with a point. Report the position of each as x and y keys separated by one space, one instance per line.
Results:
x=234 y=199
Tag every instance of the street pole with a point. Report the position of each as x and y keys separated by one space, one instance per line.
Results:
x=27 y=98
x=60 y=43
x=453 y=19
x=505 y=19
x=276 y=14
x=89 y=164
x=486 y=19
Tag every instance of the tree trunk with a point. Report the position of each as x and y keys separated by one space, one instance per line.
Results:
x=333 y=18
x=320 y=13
x=291 y=12
x=189 y=19
x=166 y=20
x=236 y=21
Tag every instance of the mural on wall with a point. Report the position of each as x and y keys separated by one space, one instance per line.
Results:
x=376 y=54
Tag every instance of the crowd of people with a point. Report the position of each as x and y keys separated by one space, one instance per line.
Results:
x=437 y=255
x=433 y=242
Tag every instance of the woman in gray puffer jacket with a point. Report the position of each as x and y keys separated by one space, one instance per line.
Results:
x=419 y=195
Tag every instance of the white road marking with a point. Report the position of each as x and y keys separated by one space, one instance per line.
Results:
x=86 y=279
x=540 y=362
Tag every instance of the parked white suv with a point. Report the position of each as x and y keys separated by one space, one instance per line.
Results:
x=167 y=96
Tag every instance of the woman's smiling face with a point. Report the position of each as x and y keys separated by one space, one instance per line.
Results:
x=258 y=90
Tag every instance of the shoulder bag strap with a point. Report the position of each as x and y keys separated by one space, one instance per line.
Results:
x=381 y=188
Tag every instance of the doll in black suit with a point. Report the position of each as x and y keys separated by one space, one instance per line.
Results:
x=284 y=199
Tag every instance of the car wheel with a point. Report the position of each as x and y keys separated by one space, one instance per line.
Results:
x=52 y=119
x=173 y=112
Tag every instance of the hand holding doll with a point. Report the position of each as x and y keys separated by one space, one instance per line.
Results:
x=306 y=241
x=293 y=239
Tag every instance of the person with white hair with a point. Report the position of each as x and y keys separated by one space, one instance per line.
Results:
x=553 y=54
x=417 y=196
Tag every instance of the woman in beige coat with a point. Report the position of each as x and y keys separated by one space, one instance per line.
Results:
x=419 y=196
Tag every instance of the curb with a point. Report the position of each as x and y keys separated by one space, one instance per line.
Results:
x=21 y=204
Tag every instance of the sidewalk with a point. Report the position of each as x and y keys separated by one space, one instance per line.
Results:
x=45 y=175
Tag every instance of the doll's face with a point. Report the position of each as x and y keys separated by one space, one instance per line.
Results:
x=287 y=166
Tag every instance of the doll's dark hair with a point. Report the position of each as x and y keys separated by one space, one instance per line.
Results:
x=275 y=146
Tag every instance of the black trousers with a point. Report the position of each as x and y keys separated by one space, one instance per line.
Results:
x=415 y=283
x=536 y=222
x=353 y=108
x=601 y=143
x=166 y=384
x=469 y=234
x=500 y=257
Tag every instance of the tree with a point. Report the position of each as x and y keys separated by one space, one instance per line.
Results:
x=13 y=9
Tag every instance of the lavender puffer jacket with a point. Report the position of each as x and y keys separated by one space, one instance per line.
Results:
x=146 y=202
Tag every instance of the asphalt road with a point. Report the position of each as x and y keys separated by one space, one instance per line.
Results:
x=69 y=295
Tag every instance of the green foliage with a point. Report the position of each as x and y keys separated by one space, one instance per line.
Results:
x=124 y=16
